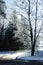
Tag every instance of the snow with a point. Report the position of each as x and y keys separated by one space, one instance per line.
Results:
x=38 y=56
x=21 y=55
x=32 y=58
x=13 y=55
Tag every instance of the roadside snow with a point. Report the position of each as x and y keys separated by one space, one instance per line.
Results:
x=32 y=58
x=22 y=55
x=38 y=56
x=13 y=55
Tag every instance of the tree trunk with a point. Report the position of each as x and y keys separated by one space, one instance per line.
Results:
x=32 y=50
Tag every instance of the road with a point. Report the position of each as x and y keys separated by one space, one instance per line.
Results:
x=15 y=62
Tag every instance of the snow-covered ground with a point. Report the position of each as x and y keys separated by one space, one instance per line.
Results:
x=13 y=55
x=23 y=55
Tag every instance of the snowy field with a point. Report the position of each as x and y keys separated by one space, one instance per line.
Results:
x=23 y=55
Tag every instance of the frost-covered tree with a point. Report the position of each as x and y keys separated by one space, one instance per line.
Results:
x=22 y=28
x=2 y=8
x=34 y=33
x=2 y=20
x=11 y=42
x=29 y=9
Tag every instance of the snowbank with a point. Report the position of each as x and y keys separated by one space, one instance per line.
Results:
x=21 y=55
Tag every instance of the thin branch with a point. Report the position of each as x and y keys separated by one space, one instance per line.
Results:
x=20 y=6
x=39 y=30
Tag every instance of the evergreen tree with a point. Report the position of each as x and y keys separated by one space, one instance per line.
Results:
x=11 y=42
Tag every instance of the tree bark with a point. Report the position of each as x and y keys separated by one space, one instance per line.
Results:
x=32 y=50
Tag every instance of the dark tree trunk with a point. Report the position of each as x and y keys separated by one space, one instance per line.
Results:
x=32 y=50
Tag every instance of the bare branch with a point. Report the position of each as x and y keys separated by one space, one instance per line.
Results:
x=39 y=30
x=31 y=31
x=20 y=6
x=35 y=25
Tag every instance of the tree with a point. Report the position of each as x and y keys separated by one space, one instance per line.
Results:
x=22 y=28
x=10 y=42
x=33 y=19
x=2 y=8
x=2 y=17
x=33 y=34
x=8 y=39
x=1 y=35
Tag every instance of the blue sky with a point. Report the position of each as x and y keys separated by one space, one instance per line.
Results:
x=8 y=2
